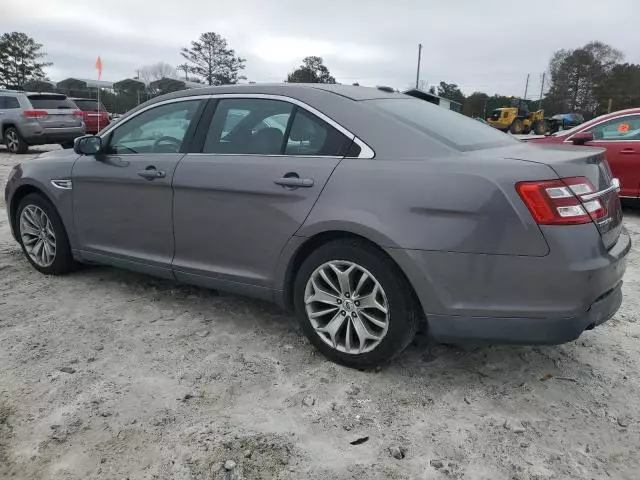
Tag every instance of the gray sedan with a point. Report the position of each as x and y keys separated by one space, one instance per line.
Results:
x=367 y=212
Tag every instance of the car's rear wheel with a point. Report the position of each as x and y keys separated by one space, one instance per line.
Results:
x=14 y=141
x=42 y=236
x=354 y=304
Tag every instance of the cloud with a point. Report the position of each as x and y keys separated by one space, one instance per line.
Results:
x=486 y=45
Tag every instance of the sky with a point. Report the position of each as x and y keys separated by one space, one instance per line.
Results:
x=487 y=45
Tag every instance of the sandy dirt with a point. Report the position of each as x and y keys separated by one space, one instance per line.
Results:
x=106 y=374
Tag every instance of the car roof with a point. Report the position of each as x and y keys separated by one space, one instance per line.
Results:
x=348 y=91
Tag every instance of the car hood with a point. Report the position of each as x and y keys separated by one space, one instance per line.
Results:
x=49 y=165
x=64 y=155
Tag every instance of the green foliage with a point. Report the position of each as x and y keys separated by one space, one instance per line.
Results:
x=578 y=76
x=211 y=59
x=451 y=91
x=20 y=60
x=312 y=70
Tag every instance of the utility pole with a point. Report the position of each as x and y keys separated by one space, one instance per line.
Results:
x=526 y=88
x=419 y=59
x=541 y=91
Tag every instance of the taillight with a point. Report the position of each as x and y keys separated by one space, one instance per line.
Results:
x=78 y=113
x=34 y=113
x=556 y=202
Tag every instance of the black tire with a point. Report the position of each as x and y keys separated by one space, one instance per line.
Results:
x=63 y=260
x=403 y=321
x=540 y=127
x=517 y=127
x=14 y=141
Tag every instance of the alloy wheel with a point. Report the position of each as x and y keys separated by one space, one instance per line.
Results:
x=347 y=307
x=38 y=237
x=12 y=141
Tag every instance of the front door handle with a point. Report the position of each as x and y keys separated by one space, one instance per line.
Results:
x=294 y=182
x=151 y=173
x=627 y=150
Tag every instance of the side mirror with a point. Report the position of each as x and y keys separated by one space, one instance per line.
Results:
x=87 y=145
x=581 y=138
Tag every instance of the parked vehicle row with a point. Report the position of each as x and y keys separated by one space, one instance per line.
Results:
x=619 y=134
x=28 y=119
x=363 y=210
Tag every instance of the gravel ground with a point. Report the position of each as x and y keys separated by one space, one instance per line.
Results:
x=106 y=374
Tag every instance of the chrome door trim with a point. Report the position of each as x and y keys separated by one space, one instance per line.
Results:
x=62 y=183
x=366 y=152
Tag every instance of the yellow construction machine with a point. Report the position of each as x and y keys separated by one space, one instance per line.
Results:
x=518 y=120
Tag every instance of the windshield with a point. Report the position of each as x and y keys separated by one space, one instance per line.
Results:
x=454 y=129
x=89 y=105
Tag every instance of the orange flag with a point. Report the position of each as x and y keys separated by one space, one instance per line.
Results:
x=99 y=67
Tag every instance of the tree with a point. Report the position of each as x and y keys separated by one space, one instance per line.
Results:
x=312 y=70
x=451 y=91
x=156 y=71
x=212 y=59
x=475 y=105
x=20 y=60
x=621 y=87
x=578 y=75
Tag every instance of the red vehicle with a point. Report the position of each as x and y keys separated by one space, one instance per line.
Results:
x=619 y=134
x=93 y=113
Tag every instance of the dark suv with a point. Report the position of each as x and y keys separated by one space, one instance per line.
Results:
x=36 y=119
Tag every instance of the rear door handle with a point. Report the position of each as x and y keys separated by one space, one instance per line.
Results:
x=151 y=173
x=294 y=182
x=627 y=150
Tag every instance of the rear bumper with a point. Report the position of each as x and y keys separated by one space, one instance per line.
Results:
x=526 y=331
x=43 y=136
x=520 y=299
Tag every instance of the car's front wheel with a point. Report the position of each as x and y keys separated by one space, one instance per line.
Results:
x=354 y=304
x=42 y=236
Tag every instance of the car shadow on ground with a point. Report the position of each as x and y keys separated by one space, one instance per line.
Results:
x=467 y=366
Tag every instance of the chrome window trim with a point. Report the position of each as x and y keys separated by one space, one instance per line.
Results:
x=568 y=139
x=366 y=152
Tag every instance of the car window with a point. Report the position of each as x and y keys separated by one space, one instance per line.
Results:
x=50 y=102
x=618 y=129
x=159 y=130
x=248 y=126
x=258 y=127
x=310 y=135
x=7 y=102
x=89 y=105
x=454 y=129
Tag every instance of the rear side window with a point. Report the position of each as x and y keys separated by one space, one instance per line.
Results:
x=454 y=129
x=254 y=126
x=7 y=102
x=51 y=102
x=89 y=105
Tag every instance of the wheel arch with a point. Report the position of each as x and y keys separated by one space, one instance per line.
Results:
x=313 y=243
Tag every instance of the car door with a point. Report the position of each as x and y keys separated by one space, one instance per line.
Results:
x=244 y=194
x=123 y=198
x=620 y=136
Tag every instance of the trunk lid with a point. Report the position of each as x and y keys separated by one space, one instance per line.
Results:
x=55 y=111
x=570 y=161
